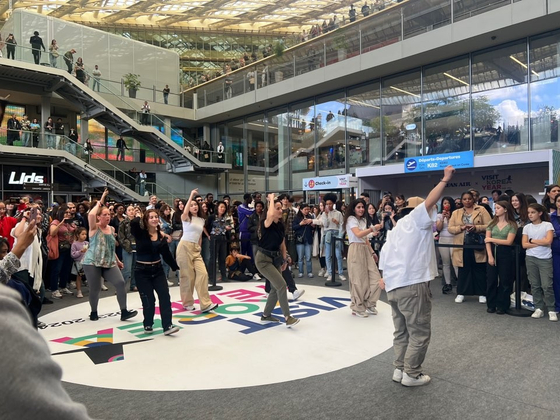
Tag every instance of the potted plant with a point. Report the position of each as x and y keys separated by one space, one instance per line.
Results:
x=132 y=83
x=279 y=48
x=341 y=45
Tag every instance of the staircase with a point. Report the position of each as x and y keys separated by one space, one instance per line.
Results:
x=20 y=75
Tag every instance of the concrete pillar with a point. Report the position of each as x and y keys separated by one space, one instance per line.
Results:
x=206 y=136
x=84 y=131
x=167 y=127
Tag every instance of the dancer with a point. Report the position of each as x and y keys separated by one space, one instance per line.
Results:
x=151 y=246
x=272 y=260
x=193 y=272
x=362 y=270
x=408 y=262
x=101 y=262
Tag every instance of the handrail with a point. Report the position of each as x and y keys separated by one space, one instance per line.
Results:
x=77 y=149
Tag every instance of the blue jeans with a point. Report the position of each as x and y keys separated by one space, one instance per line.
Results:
x=328 y=255
x=50 y=140
x=60 y=270
x=129 y=260
x=304 y=250
x=26 y=138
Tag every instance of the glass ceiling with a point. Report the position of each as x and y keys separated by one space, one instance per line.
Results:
x=254 y=15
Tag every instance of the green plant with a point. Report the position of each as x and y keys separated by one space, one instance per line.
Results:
x=132 y=81
x=340 y=42
x=279 y=48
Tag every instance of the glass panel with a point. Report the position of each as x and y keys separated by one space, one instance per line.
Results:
x=466 y=9
x=330 y=124
x=545 y=85
x=363 y=112
x=401 y=116
x=233 y=142
x=310 y=58
x=256 y=147
x=499 y=100
x=447 y=107
x=384 y=29
x=278 y=151
x=302 y=161
x=424 y=16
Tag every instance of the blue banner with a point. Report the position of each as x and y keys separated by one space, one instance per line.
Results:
x=439 y=162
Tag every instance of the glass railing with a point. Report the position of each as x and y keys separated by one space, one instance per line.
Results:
x=391 y=23
x=126 y=105
x=90 y=154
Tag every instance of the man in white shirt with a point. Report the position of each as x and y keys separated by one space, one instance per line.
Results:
x=152 y=204
x=408 y=262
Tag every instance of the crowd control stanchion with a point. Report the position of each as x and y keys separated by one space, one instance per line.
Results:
x=518 y=310
x=212 y=274
x=333 y=282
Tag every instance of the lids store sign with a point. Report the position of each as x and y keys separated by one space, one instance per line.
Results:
x=26 y=179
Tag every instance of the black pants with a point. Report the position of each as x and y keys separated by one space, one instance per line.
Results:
x=288 y=278
x=499 y=278
x=11 y=51
x=36 y=56
x=220 y=252
x=472 y=276
x=150 y=278
x=245 y=265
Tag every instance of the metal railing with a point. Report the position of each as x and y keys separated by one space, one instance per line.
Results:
x=394 y=23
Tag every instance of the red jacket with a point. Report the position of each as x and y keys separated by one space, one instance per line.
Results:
x=7 y=223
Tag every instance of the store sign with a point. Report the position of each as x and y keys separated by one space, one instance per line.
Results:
x=439 y=162
x=330 y=182
x=25 y=178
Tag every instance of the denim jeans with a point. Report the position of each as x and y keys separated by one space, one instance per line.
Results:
x=50 y=140
x=26 y=138
x=328 y=255
x=304 y=250
x=129 y=260
x=60 y=270
x=150 y=279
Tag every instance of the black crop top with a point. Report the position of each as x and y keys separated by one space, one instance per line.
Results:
x=271 y=238
x=148 y=250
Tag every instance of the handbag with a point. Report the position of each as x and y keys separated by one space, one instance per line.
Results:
x=52 y=244
x=473 y=238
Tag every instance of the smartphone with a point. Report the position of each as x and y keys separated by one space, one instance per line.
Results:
x=33 y=214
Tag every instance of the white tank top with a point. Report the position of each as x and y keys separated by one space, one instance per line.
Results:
x=193 y=230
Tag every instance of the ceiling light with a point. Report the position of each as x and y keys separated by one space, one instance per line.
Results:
x=523 y=65
x=455 y=78
x=404 y=91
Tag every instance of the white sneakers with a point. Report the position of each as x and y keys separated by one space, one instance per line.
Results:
x=256 y=277
x=397 y=375
x=297 y=294
x=342 y=278
x=372 y=310
x=482 y=299
x=322 y=272
x=459 y=299
x=412 y=381
x=169 y=283
x=537 y=314
x=329 y=278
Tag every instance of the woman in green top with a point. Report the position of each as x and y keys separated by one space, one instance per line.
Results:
x=500 y=269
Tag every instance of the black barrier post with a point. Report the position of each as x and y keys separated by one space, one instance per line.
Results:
x=212 y=274
x=518 y=310
x=333 y=282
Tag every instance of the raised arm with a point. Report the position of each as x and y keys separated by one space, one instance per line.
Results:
x=92 y=215
x=270 y=212
x=186 y=211
x=437 y=191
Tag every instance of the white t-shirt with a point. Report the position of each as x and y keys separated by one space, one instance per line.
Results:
x=409 y=254
x=353 y=222
x=193 y=230
x=538 y=232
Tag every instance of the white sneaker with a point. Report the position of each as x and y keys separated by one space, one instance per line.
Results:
x=482 y=299
x=329 y=278
x=56 y=295
x=321 y=272
x=80 y=295
x=169 y=283
x=342 y=277
x=73 y=285
x=459 y=299
x=66 y=291
x=310 y=275
x=104 y=288
x=297 y=294
x=412 y=381
x=397 y=375
x=326 y=274
x=300 y=275
x=537 y=314
x=257 y=277
x=209 y=308
x=189 y=308
x=360 y=314
x=372 y=311
x=552 y=316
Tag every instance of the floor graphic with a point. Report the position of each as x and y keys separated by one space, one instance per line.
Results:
x=228 y=348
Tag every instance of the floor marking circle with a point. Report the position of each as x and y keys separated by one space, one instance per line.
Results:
x=229 y=348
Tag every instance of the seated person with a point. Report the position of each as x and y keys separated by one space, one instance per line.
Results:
x=237 y=264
